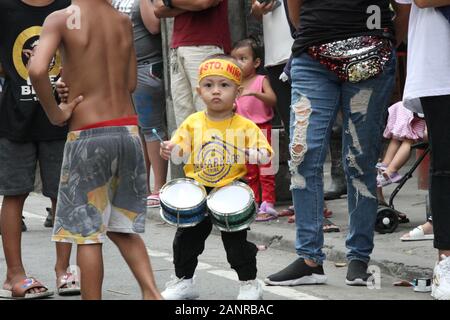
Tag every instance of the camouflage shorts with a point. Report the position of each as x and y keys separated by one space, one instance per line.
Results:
x=103 y=185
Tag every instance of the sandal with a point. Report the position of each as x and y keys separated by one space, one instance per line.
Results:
x=383 y=179
x=266 y=213
x=329 y=226
x=287 y=212
x=19 y=290
x=68 y=285
x=417 y=234
x=153 y=200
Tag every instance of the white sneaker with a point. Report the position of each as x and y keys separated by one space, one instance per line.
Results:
x=440 y=288
x=250 y=290
x=180 y=289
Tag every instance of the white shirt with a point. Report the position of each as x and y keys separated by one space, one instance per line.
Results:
x=277 y=37
x=428 y=56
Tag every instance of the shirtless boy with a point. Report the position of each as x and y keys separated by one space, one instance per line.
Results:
x=103 y=186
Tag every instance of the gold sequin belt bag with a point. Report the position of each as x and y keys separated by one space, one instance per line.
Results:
x=354 y=59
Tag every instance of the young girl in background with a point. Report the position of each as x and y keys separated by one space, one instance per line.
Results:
x=403 y=128
x=256 y=103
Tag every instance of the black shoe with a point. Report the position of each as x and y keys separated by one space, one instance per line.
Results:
x=48 y=223
x=335 y=191
x=357 y=273
x=297 y=273
x=24 y=226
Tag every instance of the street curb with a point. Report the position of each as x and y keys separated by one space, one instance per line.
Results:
x=335 y=253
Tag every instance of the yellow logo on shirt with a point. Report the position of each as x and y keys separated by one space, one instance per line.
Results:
x=23 y=50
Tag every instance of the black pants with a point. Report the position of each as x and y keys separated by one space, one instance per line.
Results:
x=437 y=117
x=189 y=243
x=283 y=93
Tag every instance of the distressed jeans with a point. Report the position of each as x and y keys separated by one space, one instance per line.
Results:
x=317 y=96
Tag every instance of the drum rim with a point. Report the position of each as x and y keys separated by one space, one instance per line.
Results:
x=240 y=228
x=180 y=180
x=192 y=224
x=234 y=183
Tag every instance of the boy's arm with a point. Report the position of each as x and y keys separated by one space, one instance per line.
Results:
x=38 y=70
x=431 y=3
x=268 y=96
x=151 y=21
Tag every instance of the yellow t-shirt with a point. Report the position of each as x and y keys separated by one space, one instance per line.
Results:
x=214 y=151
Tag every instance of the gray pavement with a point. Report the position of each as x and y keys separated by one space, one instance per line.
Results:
x=396 y=260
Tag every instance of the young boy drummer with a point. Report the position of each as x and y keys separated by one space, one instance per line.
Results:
x=216 y=144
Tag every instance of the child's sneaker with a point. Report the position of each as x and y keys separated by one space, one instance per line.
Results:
x=180 y=289
x=384 y=180
x=250 y=290
x=440 y=288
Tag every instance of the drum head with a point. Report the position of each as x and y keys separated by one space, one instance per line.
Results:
x=230 y=199
x=182 y=194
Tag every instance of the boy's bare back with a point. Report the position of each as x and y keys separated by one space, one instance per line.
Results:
x=98 y=60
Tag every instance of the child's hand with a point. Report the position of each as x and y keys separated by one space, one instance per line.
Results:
x=62 y=89
x=255 y=156
x=166 y=149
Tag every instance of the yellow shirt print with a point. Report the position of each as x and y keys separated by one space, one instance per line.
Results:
x=214 y=151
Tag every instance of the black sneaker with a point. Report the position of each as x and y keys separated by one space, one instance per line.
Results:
x=48 y=223
x=357 y=273
x=297 y=273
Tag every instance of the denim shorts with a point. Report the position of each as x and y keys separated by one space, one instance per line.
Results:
x=149 y=101
x=18 y=166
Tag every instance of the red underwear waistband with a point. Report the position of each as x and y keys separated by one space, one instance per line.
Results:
x=126 y=121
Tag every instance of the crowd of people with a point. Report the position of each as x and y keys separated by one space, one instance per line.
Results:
x=86 y=101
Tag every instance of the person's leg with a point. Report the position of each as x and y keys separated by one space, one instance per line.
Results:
x=90 y=262
x=63 y=251
x=364 y=105
x=391 y=151
x=17 y=174
x=50 y=155
x=188 y=244
x=192 y=57
x=400 y=158
x=241 y=254
x=315 y=101
x=338 y=186
x=266 y=173
x=437 y=114
x=283 y=92
x=149 y=102
x=183 y=102
x=134 y=252
x=252 y=178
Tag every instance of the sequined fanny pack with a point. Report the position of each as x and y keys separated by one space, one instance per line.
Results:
x=354 y=59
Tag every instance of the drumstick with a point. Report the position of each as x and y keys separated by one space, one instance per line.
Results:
x=229 y=144
x=157 y=135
